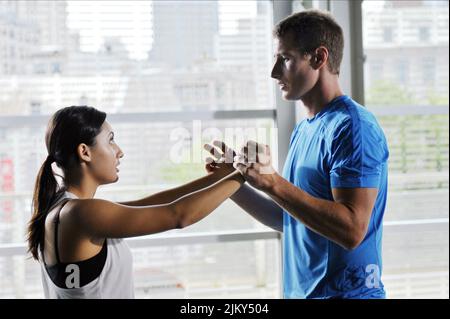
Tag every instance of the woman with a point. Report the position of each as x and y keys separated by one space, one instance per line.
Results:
x=78 y=239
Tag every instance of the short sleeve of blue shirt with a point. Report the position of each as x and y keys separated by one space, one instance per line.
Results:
x=357 y=155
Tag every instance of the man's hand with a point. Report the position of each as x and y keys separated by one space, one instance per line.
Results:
x=222 y=160
x=255 y=163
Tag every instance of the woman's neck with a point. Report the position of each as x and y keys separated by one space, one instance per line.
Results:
x=83 y=190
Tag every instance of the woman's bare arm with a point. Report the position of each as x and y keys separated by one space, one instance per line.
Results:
x=105 y=219
x=170 y=195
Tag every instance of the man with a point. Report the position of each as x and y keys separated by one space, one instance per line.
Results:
x=330 y=200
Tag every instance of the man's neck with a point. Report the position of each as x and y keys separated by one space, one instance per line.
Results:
x=325 y=91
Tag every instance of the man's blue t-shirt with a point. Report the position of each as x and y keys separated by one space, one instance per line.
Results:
x=340 y=147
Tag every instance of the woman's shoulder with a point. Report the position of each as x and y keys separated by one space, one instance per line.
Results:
x=84 y=212
x=77 y=206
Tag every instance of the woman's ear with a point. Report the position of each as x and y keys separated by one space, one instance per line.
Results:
x=84 y=153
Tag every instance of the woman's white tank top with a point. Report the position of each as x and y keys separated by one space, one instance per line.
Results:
x=115 y=280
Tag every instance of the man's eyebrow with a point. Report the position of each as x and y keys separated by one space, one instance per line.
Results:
x=285 y=53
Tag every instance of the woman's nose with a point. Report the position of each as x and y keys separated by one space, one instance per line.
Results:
x=120 y=153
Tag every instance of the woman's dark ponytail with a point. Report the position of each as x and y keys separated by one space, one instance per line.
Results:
x=45 y=192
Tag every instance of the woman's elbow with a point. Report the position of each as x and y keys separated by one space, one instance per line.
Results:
x=180 y=217
x=176 y=215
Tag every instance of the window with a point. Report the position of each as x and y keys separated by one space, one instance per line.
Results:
x=402 y=67
x=376 y=70
x=429 y=71
x=387 y=35
x=424 y=34
x=413 y=109
x=125 y=58
x=169 y=80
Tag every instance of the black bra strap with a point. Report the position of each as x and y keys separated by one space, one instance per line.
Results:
x=56 y=221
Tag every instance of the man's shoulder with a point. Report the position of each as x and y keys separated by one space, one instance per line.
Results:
x=350 y=115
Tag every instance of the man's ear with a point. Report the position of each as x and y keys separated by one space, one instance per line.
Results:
x=319 y=58
x=84 y=153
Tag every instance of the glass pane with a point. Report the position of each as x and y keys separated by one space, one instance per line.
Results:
x=158 y=156
x=135 y=56
x=208 y=271
x=418 y=166
x=416 y=261
x=406 y=65
x=138 y=57
x=179 y=271
x=406 y=44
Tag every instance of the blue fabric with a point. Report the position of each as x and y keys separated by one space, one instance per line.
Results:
x=340 y=147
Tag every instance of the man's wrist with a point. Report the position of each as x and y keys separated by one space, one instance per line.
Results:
x=275 y=181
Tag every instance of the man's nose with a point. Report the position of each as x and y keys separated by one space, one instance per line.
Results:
x=275 y=74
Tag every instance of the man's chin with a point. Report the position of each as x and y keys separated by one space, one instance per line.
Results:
x=287 y=97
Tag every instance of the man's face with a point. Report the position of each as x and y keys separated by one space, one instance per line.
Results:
x=292 y=69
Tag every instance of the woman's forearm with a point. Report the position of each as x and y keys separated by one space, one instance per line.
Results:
x=170 y=195
x=194 y=206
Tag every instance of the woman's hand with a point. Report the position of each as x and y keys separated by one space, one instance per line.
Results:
x=222 y=158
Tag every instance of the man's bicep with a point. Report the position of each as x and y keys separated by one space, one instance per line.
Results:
x=359 y=200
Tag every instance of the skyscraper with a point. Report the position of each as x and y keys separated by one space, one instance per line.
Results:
x=245 y=51
x=181 y=38
x=406 y=46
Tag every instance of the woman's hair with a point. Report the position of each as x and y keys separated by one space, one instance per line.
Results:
x=68 y=128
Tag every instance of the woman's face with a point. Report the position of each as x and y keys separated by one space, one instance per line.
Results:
x=105 y=156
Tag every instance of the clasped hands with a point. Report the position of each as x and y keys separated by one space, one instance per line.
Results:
x=253 y=161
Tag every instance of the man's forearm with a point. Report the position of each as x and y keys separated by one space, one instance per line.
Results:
x=173 y=194
x=328 y=218
x=260 y=207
